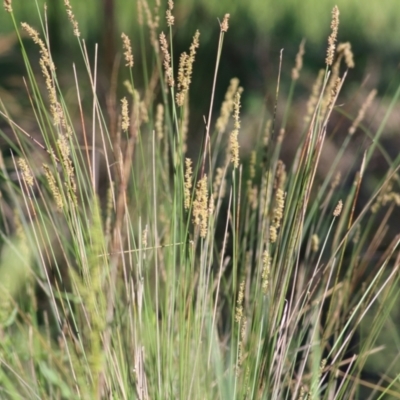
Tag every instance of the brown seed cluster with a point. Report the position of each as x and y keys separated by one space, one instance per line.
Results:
x=188 y=182
x=126 y=45
x=233 y=142
x=333 y=36
x=185 y=70
x=167 y=60
x=72 y=19
x=224 y=23
x=125 y=115
x=227 y=105
x=169 y=16
x=299 y=61
x=200 y=206
x=7 y=5
x=338 y=209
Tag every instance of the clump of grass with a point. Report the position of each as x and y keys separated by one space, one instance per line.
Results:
x=199 y=278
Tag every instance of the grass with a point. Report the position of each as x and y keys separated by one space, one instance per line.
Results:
x=129 y=270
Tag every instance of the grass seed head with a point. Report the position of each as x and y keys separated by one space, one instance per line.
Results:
x=200 y=207
x=299 y=61
x=338 y=209
x=72 y=19
x=333 y=36
x=125 y=115
x=126 y=45
x=167 y=60
x=224 y=23
x=169 y=16
x=7 y=6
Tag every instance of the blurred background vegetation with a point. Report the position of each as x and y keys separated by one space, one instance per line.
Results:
x=259 y=30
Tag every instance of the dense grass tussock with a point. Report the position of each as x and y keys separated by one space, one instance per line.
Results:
x=131 y=270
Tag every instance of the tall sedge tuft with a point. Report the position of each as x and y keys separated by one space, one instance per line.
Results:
x=333 y=36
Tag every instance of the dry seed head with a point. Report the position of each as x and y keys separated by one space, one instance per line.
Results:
x=152 y=24
x=144 y=236
x=188 y=182
x=200 y=206
x=47 y=67
x=314 y=243
x=186 y=70
x=169 y=16
x=239 y=307
x=227 y=105
x=333 y=36
x=338 y=209
x=219 y=185
x=273 y=234
x=281 y=135
x=243 y=330
x=26 y=172
x=299 y=61
x=72 y=19
x=266 y=271
x=267 y=132
x=126 y=45
x=7 y=5
x=211 y=206
x=125 y=115
x=313 y=100
x=167 y=60
x=54 y=189
x=234 y=143
x=345 y=49
x=361 y=114
x=44 y=53
x=252 y=194
x=224 y=23
x=279 y=206
x=140 y=12
x=159 y=124
x=143 y=114
x=280 y=175
x=65 y=150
